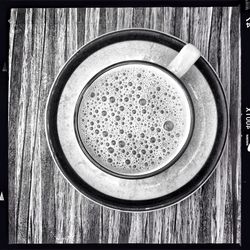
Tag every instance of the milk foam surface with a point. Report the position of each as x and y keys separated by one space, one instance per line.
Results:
x=134 y=119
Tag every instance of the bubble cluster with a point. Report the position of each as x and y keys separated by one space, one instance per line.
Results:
x=133 y=118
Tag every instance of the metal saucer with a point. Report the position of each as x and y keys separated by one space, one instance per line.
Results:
x=167 y=187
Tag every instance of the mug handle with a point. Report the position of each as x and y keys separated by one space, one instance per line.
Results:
x=188 y=55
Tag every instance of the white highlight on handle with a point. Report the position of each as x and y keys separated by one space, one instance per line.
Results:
x=188 y=55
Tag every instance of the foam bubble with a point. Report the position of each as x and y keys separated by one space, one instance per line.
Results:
x=168 y=125
x=121 y=144
x=112 y=99
x=127 y=161
x=129 y=135
x=105 y=133
x=152 y=139
x=111 y=150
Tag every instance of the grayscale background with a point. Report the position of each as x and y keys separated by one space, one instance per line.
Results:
x=43 y=206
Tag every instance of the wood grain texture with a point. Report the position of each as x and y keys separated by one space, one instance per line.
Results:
x=43 y=206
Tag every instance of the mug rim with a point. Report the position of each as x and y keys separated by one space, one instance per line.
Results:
x=63 y=164
x=157 y=170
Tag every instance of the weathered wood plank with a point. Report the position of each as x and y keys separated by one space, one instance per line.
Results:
x=14 y=92
x=47 y=170
x=124 y=18
x=27 y=131
x=44 y=207
x=110 y=20
x=235 y=110
x=169 y=20
x=91 y=24
x=35 y=203
x=138 y=17
x=60 y=57
x=80 y=26
x=223 y=173
x=124 y=229
x=200 y=22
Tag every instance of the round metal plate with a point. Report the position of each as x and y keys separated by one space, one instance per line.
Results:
x=191 y=169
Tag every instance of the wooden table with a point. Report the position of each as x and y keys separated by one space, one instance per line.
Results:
x=43 y=206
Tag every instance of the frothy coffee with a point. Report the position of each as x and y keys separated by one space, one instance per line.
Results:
x=133 y=119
